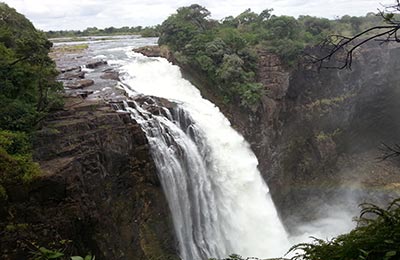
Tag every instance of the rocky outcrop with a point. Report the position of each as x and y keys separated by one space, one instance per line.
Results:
x=273 y=75
x=155 y=51
x=95 y=64
x=110 y=74
x=82 y=83
x=99 y=191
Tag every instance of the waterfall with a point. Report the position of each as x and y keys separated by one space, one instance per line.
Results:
x=219 y=202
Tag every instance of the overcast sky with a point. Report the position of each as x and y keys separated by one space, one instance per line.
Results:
x=80 y=14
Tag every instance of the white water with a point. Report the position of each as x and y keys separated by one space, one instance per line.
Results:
x=220 y=203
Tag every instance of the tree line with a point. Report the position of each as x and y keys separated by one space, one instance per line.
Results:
x=149 y=31
x=226 y=51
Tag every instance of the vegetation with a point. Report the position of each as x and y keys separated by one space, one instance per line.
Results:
x=377 y=236
x=72 y=48
x=226 y=51
x=337 y=50
x=42 y=253
x=28 y=90
x=150 y=31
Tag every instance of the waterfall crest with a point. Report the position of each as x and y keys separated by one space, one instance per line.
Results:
x=219 y=203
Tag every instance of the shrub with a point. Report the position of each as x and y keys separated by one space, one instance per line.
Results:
x=377 y=236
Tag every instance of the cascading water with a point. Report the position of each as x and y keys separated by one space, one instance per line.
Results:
x=219 y=202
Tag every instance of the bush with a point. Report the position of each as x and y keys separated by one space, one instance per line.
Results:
x=16 y=164
x=377 y=236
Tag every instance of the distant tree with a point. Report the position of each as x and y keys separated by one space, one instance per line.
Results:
x=265 y=14
x=336 y=46
x=246 y=17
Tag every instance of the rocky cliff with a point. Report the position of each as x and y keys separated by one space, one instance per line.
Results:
x=317 y=133
x=99 y=191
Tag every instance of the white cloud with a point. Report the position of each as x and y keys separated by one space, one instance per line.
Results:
x=79 y=14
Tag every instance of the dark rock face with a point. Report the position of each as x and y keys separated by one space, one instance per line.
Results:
x=99 y=193
x=320 y=143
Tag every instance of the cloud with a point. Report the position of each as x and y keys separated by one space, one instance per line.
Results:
x=79 y=14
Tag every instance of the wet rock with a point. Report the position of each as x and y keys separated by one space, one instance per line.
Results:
x=83 y=83
x=113 y=75
x=70 y=69
x=79 y=93
x=155 y=51
x=72 y=75
x=96 y=64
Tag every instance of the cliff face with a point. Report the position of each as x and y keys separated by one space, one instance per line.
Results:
x=316 y=133
x=99 y=192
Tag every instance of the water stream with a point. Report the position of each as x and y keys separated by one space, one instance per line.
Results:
x=219 y=202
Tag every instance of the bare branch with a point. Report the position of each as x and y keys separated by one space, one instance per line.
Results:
x=340 y=49
x=388 y=151
x=337 y=44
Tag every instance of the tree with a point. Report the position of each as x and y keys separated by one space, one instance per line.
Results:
x=336 y=46
x=28 y=90
x=179 y=29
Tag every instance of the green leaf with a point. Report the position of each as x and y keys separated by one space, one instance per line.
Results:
x=76 y=258
x=55 y=255
x=390 y=253
x=89 y=257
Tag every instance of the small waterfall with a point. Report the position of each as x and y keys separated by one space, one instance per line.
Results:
x=219 y=202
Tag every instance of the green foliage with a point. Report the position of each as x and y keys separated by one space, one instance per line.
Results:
x=88 y=257
x=3 y=193
x=43 y=253
x=180 y=28
x=16 y=164
x=226 y=51
x=28 y=90
x=27 y=74
x=377 y=236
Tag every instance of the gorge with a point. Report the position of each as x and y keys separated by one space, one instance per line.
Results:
x=147 y=159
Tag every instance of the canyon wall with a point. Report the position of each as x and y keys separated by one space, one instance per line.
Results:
x=317 y=133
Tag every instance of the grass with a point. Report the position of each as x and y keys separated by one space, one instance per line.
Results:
x=71 y=48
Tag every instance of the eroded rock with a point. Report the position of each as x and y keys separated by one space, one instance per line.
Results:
x=83 y=83
x=96 y=64
x=99 y=190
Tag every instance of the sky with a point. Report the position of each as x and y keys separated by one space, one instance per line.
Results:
x=80 y=14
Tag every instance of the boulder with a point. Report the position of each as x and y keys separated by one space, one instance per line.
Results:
x=72 y=75
x=83 y=83
x=96 y=64
x=113 y=75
